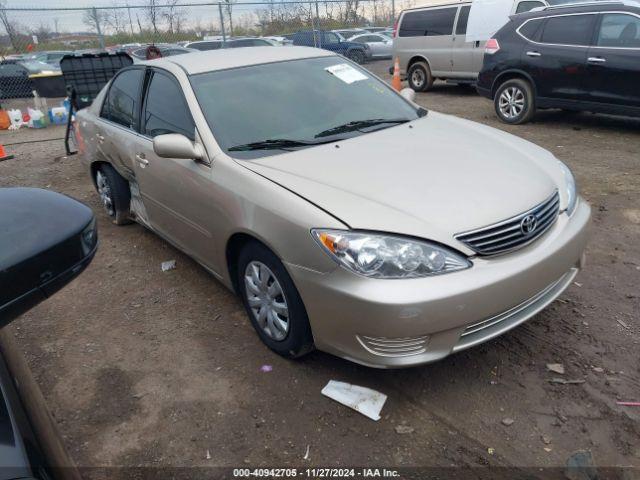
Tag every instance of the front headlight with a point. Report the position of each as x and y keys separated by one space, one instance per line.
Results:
x=387 y=256
x=570 y=188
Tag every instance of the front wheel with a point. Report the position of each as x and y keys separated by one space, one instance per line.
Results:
x=272 y=302
x=419 y=77
x=356 y=56
x=514 y=102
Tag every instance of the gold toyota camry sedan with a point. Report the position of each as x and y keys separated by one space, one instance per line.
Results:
x=345 y=216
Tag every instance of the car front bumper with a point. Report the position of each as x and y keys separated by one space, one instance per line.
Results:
x=400 y=323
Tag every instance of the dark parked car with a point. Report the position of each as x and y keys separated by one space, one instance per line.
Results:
x=580 y=57
x=231 y=43
x=46 y=240
x=14 y=81
x=357 y=52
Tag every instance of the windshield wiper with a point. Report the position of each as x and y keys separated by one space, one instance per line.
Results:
x=276 y=144
x=359 y=124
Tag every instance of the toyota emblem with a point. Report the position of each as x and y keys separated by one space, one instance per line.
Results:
x=528 y=225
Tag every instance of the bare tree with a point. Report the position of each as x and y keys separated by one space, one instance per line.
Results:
x=9 y=26
x=154 y=14
x=116 y=20
x=229 y=8
x=94 y=19
x=174 y=15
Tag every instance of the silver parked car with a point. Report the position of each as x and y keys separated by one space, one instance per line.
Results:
x=431 y=43
x=345 y=216
x=379 y=45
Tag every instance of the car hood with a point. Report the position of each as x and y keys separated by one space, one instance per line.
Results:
x=431 y=178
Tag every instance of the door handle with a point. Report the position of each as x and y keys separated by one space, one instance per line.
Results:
x=596 y=60
x=534 y=54
x=100 y=137
x=140 y=157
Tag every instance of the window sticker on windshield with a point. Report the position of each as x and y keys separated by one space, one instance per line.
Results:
x=346 y=73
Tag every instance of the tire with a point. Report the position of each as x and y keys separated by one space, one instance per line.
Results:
x=356 y=56
x=256 y=263
x=419 y=77
x=515 y=102
x=114 y=193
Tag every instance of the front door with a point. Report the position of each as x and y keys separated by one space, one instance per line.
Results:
x=177 y=193
x=558 y=60
x=613 y=62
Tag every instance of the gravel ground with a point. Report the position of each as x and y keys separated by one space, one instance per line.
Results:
x=145 y=368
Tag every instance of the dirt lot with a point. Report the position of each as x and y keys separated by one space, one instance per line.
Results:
x=145 y=368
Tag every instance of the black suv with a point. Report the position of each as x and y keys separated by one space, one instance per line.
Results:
x=579 y=57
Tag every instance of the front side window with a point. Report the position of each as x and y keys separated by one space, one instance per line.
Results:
x=274 y=101
x=463 y=18
x=165 y=109
x=619 y=30
x=121 y=104
x=330 y=37
x=430 y=23
x=568 y=30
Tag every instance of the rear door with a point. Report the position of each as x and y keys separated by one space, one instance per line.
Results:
x=115 y=132
x=466 y=57
x=613 y=62
x=557 y=61
x=427 y=33
x=177 y=193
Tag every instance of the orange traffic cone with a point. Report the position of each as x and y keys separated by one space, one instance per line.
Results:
x=395 y=81
x=3 y=154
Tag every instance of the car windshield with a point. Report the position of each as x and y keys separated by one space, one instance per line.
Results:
x=271 y=108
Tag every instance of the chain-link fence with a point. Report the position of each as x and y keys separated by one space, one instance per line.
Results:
x=33 y=39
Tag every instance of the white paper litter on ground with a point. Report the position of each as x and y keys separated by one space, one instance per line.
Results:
x=364 y=400
x=168 y=265
x=346 y=73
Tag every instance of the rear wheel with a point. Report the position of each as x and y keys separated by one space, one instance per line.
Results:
x=514 y=101
x=114 y=193
x=356 y=56
x=419 y=77
x=272 y=302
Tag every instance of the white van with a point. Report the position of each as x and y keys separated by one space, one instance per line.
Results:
x=431 y=42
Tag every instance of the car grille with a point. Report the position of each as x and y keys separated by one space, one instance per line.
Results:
x=515 y=232
x=394 y=347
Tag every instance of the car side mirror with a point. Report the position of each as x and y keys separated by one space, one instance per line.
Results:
x=408 y=94
x=47 y=240
x=175 y=145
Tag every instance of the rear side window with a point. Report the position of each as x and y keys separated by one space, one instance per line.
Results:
x=429 y=23
x=531 y=29
x=619 y=30
x=121 y=104
x=568 y=30
x=166 y=110
x=463 y=18
x=528 y=5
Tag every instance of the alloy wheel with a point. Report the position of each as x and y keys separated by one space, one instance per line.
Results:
x=511 y=102
x=104 y=189
x=266 y=300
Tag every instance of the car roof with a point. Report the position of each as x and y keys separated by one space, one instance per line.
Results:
x=444 y=3
x=211 y=60
x=579 y=7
